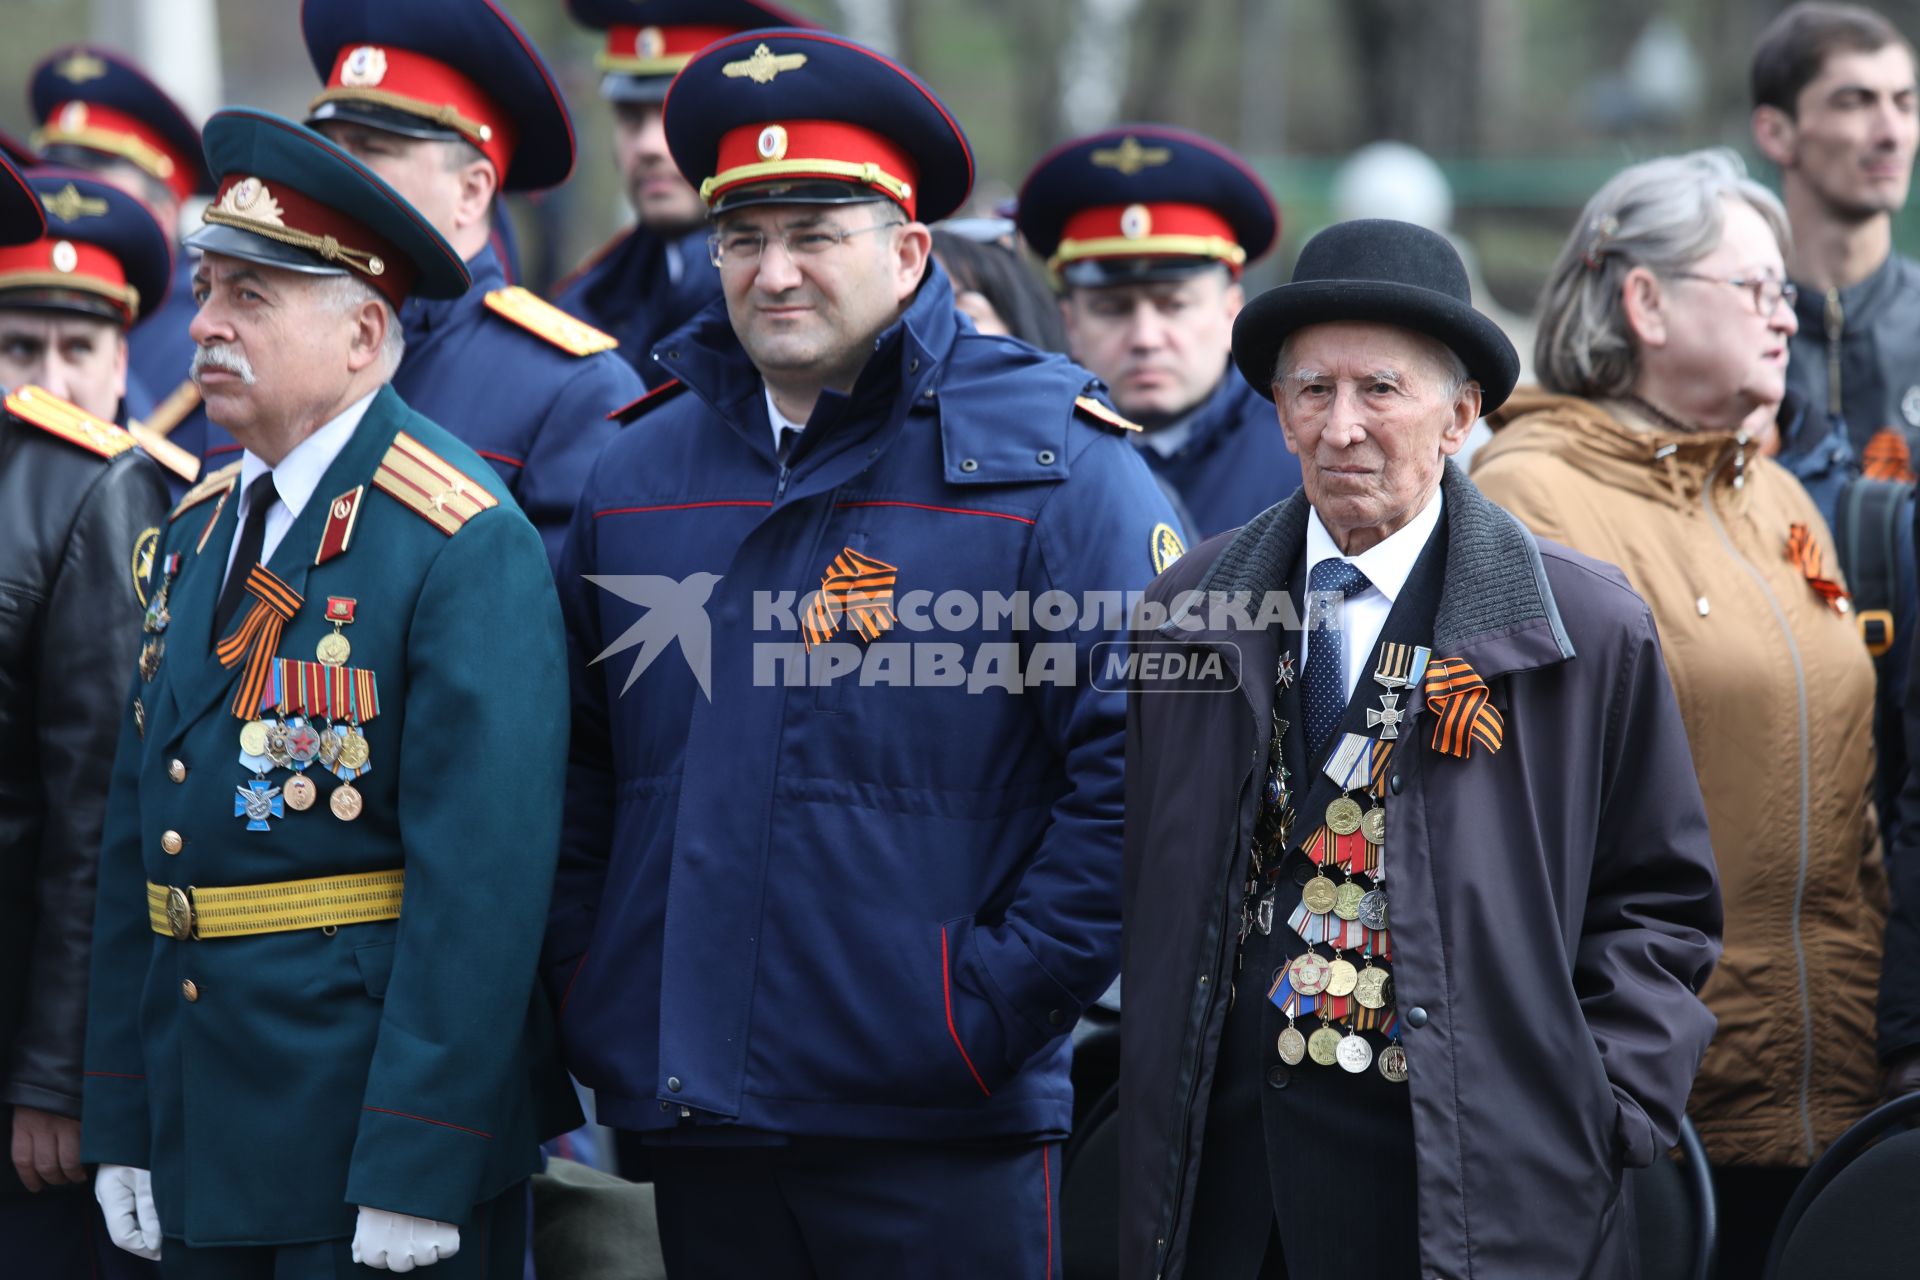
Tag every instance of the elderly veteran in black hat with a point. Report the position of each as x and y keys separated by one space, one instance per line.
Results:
x=78 y=508
x=1418 y=898
x=288 y=1072
x=1145 y=230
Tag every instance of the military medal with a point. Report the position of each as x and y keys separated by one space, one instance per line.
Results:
x=1387 y=719
x=150 y=654
x=1350 y=764
x=1346 y=901
x=353 y=748
x=299 y=792
x=1373 y=988
x=334 y=649
x=303 y=744
x=156 y=618
x=1373 y=825
x=140 y=718
x=1354 y=1053
x=1343 y=816
x=1319 y=895
x=1308 y=973
x=253 y=738
x=1341 y=975
x=256 y=802
x=1393 y=1063
x=1292 y=1046
x=277 y=746
x=1323 y=1046
x=1285 y=678
x=345 y=802
x=1373 y=909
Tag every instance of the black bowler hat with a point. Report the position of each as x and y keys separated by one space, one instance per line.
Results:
x=1385 y=272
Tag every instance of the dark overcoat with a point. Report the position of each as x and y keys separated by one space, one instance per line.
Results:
x=1554 y=911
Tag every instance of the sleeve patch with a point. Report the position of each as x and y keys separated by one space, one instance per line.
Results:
x=544 y=320
x=1166 y=545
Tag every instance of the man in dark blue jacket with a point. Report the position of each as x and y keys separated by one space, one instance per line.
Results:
x=1146 y=229
x=841 y=872
x=653 y=276
x=450 y=102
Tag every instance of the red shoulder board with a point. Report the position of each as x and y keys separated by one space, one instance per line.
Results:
x=648 y=402
x=1092 y=410
x=430 y=486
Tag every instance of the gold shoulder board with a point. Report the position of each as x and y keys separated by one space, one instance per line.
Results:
x=1094 y=411
x=215 y=484
x=430 y=486
x=544 y=320
x=68 y=421
x=165 y=452
x=169 y=413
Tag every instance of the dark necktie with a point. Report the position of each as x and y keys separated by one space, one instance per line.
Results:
x=1324 y=684
x=253 y=536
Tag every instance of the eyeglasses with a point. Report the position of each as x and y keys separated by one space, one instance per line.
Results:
x=1768 y=292
x=743 y=248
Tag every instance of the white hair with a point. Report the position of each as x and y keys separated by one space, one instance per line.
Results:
x=1453 y=370
x=343 y=294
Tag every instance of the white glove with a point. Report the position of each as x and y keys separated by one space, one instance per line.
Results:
x=126 y=1200
x=395 y=1242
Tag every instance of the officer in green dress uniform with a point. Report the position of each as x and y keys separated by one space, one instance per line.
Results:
x=334 y=810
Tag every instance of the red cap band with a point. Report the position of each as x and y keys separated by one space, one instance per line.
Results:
x=290 y=217
x=58 y=263
x=826 y=149
x=98 y=128
x=1149 y=231
x=655 y=51
x=426 y=87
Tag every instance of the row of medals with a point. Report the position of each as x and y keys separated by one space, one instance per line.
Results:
x=297 y=742
x=1363 y=900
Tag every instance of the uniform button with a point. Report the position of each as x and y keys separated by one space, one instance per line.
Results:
x=673 y=1083
x=1302 y=874
x=1278 y=1077
x=1416 y=1017
x=171 y=842
x=191 y=992
x=1045 y=457
x=177 y=770
x=1055 y=1017
x=1394 y=782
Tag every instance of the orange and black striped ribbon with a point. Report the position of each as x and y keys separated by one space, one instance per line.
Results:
x=1462 y=716
x=857 y=588
x=1886 y=457
x=1805 y=555
x=257 y=636
x=1382 y=752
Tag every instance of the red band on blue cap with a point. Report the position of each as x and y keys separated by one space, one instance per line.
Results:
x=57 y=262
x=402 y=80
x=115 y=133
x=776 y=151
x=1148 y=230
x=655 y=51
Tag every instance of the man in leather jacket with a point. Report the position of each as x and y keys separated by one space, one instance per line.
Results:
x=78 y=505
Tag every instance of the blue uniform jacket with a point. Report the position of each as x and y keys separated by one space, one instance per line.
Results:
x=627 y=290
x=848 y=908
x=532 y=409
x=1234 y=460
x=391 y=1063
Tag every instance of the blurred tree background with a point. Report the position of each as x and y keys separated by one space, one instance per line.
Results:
x=1527 y=105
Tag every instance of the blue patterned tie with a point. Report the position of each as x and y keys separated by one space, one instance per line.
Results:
x=1323 y=691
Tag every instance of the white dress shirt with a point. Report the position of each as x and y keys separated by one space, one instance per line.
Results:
x=1387 y=564
x=295 y=479
x=779 y=421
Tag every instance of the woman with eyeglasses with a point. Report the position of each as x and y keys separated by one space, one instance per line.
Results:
x=1663 y=338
